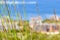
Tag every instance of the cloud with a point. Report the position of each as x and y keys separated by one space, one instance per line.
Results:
x=17 y=2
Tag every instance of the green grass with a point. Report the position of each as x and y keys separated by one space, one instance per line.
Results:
x=28 y=36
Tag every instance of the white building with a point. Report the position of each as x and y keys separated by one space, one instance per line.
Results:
x=35 y=23
x=54 y=17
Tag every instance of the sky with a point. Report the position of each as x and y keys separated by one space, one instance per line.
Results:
x=45 y=8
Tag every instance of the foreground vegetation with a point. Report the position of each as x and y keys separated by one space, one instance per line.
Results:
x=26 y=34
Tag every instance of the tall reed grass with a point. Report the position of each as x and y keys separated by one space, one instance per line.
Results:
x=22 y=34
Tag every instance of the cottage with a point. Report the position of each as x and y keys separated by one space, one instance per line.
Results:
x=37 y=25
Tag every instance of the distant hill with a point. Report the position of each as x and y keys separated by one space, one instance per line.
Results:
x=50 y=21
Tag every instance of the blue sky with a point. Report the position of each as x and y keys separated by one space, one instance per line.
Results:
x=46 y=8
